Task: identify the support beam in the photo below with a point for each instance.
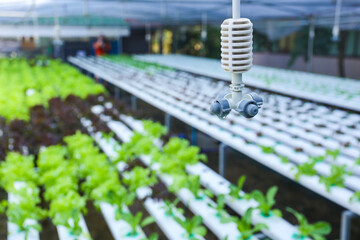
(346, 217)
(311, 45)
(133, 103)
(222, 159)
(193, 136)
(168, 121)
(117, 92)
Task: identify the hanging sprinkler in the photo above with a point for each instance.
(236, 58)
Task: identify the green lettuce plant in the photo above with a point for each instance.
(235, 190)
(244, 224)
(316, 231)
(336, 177)
(139, 177)
(136, 221)
(266, 202)
(306, 169)
(355, 197)
(170, 207)
(219, 206)
(19, 178)
(192, 227)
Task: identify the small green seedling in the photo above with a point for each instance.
(266, 202)
(135, 221)
(332, 153)
(153, 236)
(306, 169)
(244, 225)
(267, 149)
(219, 206)
(107, 136)
(355, 197)
(336, 177)
(171, 209)
(317, 231)
(235, 190)
(192, 227)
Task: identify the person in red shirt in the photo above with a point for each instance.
(101, 46)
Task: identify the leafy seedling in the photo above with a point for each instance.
(171, 209)
(235, 190)
(355, 197)
(135, 221)
(317, 231)
(219, 206)
(336, 177)
(153, 236)
(266, 202)
(332, 153)
(306, 169)
(267, 149)
(244, 224)
(192, 227)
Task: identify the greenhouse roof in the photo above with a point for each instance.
(179, 12)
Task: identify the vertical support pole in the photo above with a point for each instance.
(168, 121)
(203, 32)
(346, 217)
(117, 92)
(222, 159)
(119, 45)
(193, 136)
(133, 103)
(311, 44)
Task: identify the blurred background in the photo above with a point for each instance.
(318, 36)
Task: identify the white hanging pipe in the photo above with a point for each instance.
(236, 78)
(236, 8)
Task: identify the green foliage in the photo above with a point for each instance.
(268, 150)
(18, 178)
(139, 177)
(306, 169)
(153, 236)
(191, 182)
(178, 153)
(336, 177)
(235, 190)
(23, 86)
(266, 202)
(219, 206)
(130, 61)
(332, 153)
(93, 166)
(317, 231)
(192, 227)
(59, 176)
(138, 145)
(355, 197)
(136, 221)
(170, 207)
(244, 224)
(154, 129)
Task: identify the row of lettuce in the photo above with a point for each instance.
(61, 167)
(24, 84)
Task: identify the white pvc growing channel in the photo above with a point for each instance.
(237, 135)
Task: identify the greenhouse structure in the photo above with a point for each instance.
(179, 119)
